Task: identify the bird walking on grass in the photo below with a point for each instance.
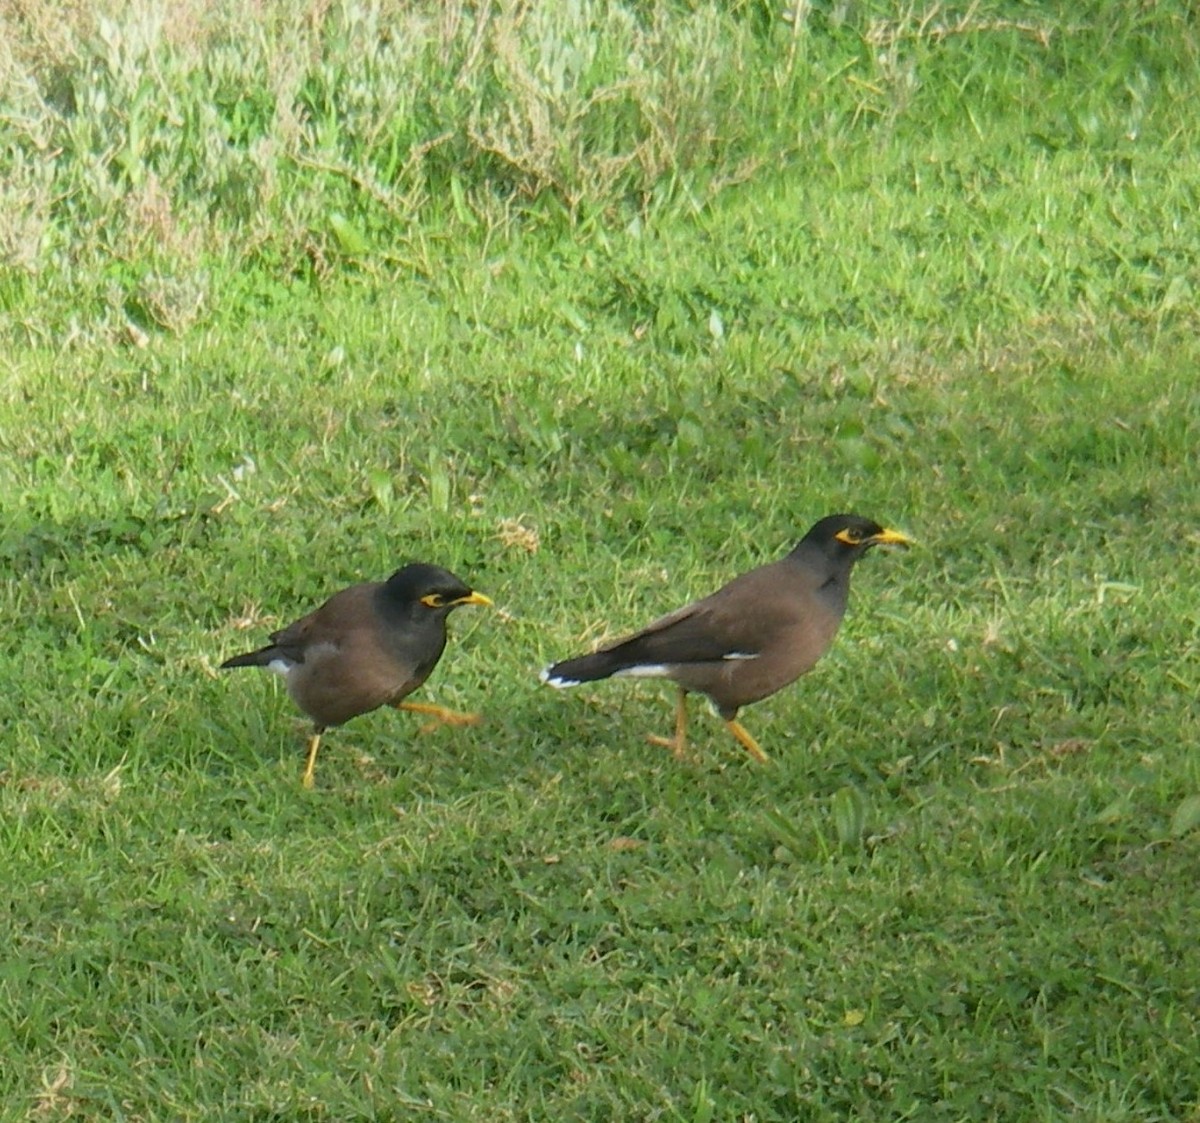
(368, 646)
(751, 637)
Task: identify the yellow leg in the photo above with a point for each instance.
(678, 743)
(746, 741)
(310, 761)
(440, 715)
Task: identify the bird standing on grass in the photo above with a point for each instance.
(368, 646)
(750, 638)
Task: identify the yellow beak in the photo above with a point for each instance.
(890, 538)
(475, 598)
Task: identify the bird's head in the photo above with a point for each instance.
(431, 587)
(848, 537)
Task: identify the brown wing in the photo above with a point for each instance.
(291, 641)
(339, 613)
(740, 618)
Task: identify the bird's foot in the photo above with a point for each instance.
(310, 759)
(439, 714)
(677, 745)
(746, 741)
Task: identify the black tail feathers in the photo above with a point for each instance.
(259, 658)
(587, 668)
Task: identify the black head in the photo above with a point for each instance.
(845, 538)
(432, 587)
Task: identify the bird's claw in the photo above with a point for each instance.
(677, 747)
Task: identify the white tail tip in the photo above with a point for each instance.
(557, 681)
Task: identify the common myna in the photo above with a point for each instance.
(368, 646)
(748, 639)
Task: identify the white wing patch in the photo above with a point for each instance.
(644, 670)
(741, 655)
(280, 666)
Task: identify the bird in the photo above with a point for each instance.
(367, 646)
(750, 638)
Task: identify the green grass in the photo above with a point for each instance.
(946, 280)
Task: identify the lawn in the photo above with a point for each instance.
(598, 305)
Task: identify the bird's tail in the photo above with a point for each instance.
(260, 658)
(587, 668)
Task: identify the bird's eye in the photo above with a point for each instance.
(433, 600)
(849, 536)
